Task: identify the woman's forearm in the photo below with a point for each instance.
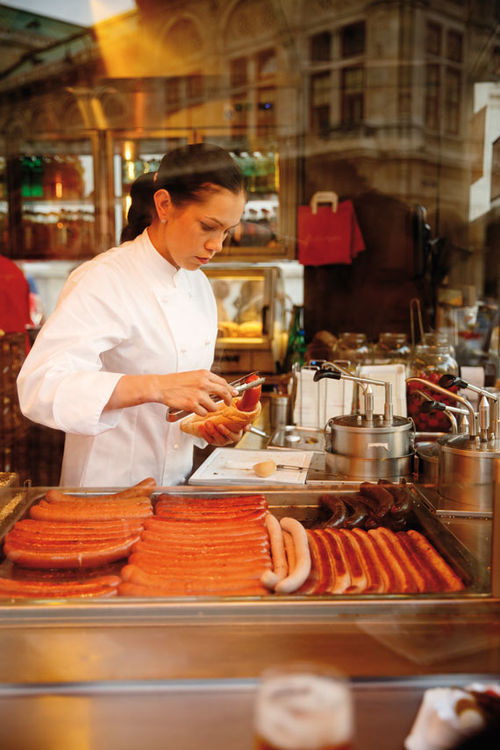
(196, 391)
(132, 390)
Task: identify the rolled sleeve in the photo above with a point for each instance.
(79, 403)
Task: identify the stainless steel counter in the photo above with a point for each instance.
(183, 715)
(148, 639)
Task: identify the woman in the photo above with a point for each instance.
(134, 332)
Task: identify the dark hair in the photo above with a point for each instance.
(186, 173)
(140, 213)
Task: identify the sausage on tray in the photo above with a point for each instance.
(302, 567)
(77, 555)
(74, 510)
(20, 589)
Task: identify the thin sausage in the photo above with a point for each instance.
(271, 578)
(302, 568)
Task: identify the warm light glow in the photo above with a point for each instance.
(130, 170)
(102, 9)
(128, 149)
(58, 188)
(128, 203)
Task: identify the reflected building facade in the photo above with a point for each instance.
(393, 106)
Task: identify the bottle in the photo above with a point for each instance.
(296, 347)
(432, 358)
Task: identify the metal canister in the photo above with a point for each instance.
(370, 450)
(466, 471)
(279, 410)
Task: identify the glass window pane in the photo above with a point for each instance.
(320, 45)
(353, 39)
(433, 39)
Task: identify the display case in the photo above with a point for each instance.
(251, 318)
(52, 196)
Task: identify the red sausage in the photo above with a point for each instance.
(250, 398)
(100, 586)
(78, 556)
(133, 589)
(219, 502)
(70, 511)
(142, 489)
(218, 519)
(81, 528)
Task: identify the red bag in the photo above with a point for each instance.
(328, 236)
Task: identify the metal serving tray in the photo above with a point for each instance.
(302, 504)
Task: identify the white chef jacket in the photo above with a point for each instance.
(126, 311)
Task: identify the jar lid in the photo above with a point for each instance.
(435, 338)
(349, 336)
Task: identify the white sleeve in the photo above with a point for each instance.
(62, 383)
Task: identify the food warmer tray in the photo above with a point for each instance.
(302, 504)
(124, 639)
(176, 713)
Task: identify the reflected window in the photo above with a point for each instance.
(239, 113)
(266, 110)
(352, 95)
(266, 63)
(432, 97)
(238, 72)
(353, 39)
(433, 39)
(172, 92)
(320, 103)
(454, 46)
(443, 82)
(195, 86)
(319, 47)
(452, 101)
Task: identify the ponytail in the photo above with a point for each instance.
(142, 208)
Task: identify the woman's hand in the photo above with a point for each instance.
(219, 435)
(193, 391)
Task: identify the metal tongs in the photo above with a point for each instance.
(240, 384)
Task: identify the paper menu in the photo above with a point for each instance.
(234, 466)
(317, 402)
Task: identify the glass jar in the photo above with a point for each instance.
(391, 349)
(431, 359)
(352, 348)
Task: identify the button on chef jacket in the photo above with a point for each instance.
(126, 311)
